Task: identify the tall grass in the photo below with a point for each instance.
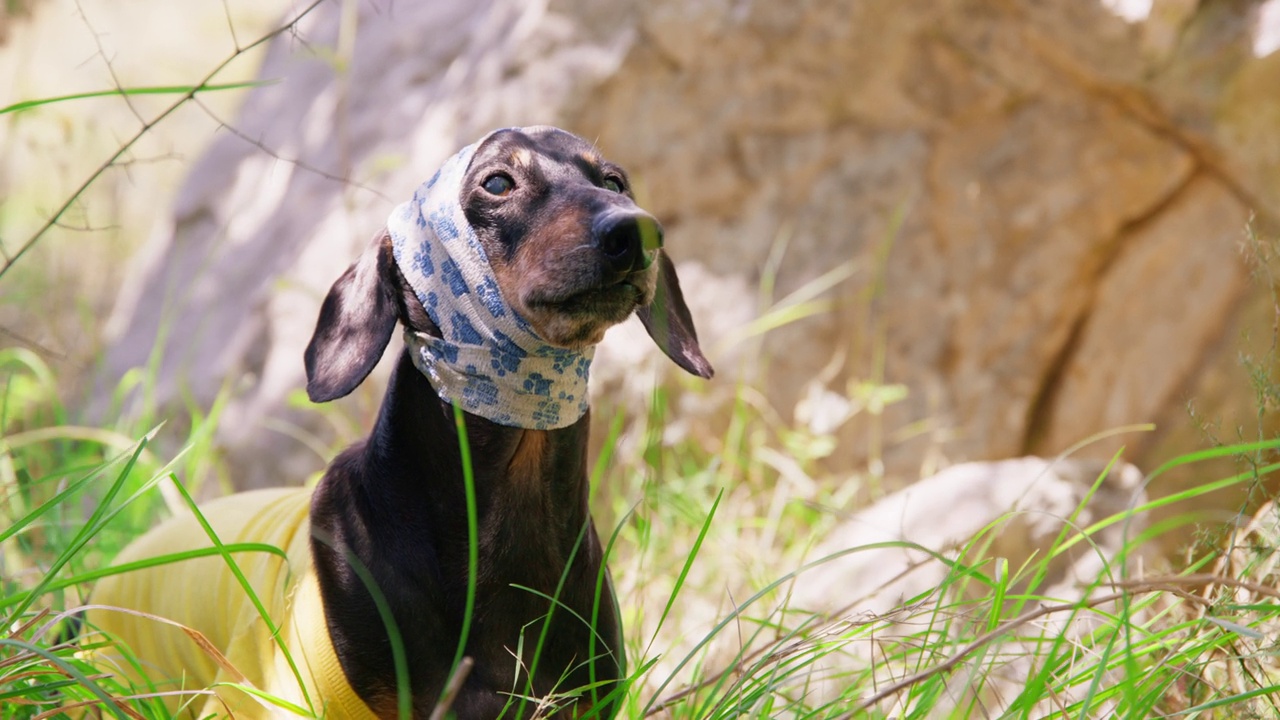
(703, 559)
(72, 496)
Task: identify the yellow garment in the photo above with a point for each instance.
(204, 594)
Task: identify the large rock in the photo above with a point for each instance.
(1017, 509)
(1041, 204)
(896, 566)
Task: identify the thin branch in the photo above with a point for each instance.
(231, 25)
(1172, 584)
(85, 227)
(146, 128)
(1150, 585)
(1205, 579)
(292, 161)
(111, 69)
(150, 160)
(454, 687)
(977, 644)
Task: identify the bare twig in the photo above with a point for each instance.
(977, 644)
(1196, 580)
(44, 350)
(146, 128)
(453, 688)
(1169, 583)
(111, 69)
(1173, 584)
(292, 161)
(231, 25)
(774, 655)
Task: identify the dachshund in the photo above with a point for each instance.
(449, 559)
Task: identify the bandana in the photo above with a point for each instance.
(489, 361)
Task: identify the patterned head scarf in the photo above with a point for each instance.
(489, 361)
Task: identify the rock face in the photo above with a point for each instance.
(1018, 507)
(1040, 204)
(971, 514)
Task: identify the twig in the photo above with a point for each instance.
(19, 630)
(1149, 585)
(292, 161)
(1164, 583)
(111, 69)
(44, 350)
(778, 654)
(146, 128)
(453, 688)
(977, 644)
(231, 25)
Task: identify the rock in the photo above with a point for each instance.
(973, 513)
(1019, 507)
(1175, 258)
(1022, 194)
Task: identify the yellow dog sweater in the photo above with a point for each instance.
(204, 594)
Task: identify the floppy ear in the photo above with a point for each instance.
(355, 324)
(669, 324)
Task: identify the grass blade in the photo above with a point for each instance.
(189, 90)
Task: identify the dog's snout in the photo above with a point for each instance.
(629, 240)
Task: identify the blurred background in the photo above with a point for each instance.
(913, 233)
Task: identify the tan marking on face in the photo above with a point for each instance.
(545, 259)
(526, 463)
(590, 157)
(522, 157)
(555, 260)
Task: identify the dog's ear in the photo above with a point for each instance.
(669, 324)
(355, 325)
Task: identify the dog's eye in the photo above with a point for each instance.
(614, 183)
(498, 184)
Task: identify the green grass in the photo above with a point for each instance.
(703, 553)
(706, 540)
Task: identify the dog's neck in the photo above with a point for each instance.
(404, 516)
(416, 442)
(537, 387)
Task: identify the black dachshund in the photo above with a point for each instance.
(504, 270)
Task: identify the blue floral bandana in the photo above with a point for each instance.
(489, 362)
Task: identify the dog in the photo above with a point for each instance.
(504, 271)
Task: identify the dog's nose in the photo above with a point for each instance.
(628, 239)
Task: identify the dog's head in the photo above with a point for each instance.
(561, 236)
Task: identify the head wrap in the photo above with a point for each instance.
(489, 361)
